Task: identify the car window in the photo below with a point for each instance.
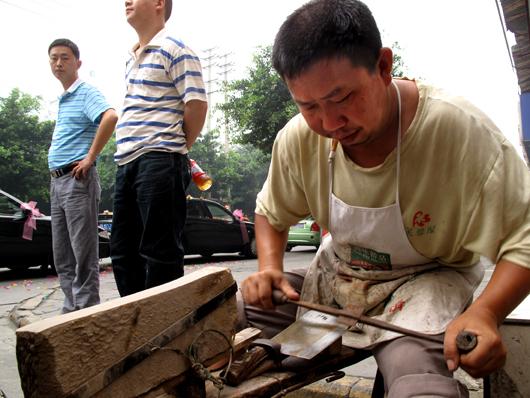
(218, 213)
(195, 210)
(9, 207)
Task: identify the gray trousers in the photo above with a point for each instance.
(74, 208)
(410, 366)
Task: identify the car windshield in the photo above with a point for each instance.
(9, 206)
(218, 213)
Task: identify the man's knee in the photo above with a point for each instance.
(427, 385)
(415, 367)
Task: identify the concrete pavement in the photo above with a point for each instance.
(48, 303)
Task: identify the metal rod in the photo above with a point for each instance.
(364, 319)
(466, 341)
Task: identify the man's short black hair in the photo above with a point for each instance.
(325, 29)
(66, 43)
(168, 8)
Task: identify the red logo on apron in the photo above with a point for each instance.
(420, 219)
(397, 306)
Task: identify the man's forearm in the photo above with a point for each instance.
(270, 244)
(508, 287)
(193, 120)
(108, 123)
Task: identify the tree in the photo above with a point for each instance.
(107, 173)
(253, 167)
(24, 143)
(398, 66)
(236, 178)
(258, 106)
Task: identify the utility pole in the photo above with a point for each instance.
(226, 65)
(209, 82)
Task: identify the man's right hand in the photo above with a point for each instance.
(257, 288)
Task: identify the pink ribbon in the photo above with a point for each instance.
(30, 223)
(238, 214)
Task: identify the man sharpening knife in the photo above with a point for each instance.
(420, 184)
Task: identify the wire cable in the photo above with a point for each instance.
(34, 12)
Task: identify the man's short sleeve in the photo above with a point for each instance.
(95, 105)
(186, 73)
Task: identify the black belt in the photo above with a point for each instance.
(61, 172)
(65, 170)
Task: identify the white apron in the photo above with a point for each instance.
(369, 261)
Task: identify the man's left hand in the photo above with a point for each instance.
(490, 353)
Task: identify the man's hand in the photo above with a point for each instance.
(257, 288)
(81, 168)
(490, 353)
(507, 288)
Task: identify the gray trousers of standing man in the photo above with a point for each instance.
(74, 211)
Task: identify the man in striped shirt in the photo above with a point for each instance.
(84, 125)
(163, 114)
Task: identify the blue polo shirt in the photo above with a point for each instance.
(80, 108)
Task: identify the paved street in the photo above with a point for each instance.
(32, 295)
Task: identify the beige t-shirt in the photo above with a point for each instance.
(464, 190)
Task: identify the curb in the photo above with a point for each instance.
(346, 387)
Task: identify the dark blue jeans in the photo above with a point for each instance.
(149, 215)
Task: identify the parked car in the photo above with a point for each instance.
(17, 252)
(305, 233)
(210, 228)
(105, 221)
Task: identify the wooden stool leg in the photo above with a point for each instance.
(378, 390)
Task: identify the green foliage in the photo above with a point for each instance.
(398, 68)
(107, 173)
(24, 143)
(237, 178)
(258, 106)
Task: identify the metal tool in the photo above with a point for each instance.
(263, 354)
(465, 341)
(310, 335)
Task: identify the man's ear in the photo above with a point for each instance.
(161, 4)
(79, 63)
(384, 64)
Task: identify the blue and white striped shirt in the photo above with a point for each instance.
(164, 76)
(80, 108)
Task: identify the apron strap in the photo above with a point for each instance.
(398, 141)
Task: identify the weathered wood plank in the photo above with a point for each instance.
(59, 354)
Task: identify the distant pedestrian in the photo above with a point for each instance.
(163, 114)
(84, 125)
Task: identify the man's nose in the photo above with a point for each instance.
(332, 121)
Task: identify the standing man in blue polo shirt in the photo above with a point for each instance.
(84, 125)
(163, 114)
